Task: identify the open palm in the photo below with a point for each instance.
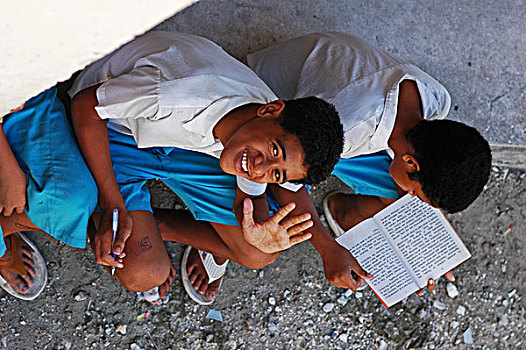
(276, 233)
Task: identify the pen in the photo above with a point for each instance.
(114, 226)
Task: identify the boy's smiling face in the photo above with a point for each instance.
(263, 152)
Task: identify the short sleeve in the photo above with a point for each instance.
(131, 95)
(249, 187)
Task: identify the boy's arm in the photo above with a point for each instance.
(261, 209)
(270, 235)
(341, 268)
(92, 135)
(12, 180)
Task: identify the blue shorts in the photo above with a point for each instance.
(196, 178)
(368, 175)
(206, 190)
(61, 193)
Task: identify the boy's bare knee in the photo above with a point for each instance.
(145, 276)
(240, 251)
(255, 259)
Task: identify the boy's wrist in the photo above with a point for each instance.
(110, 202)
(322, 240)
(10, 167)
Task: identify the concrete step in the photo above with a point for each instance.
(510, 156)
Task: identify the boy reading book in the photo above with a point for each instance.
(395, 140)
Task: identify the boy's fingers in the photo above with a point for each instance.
(450, 277)
(100, 245)
(357, 269)
(248, 216)
(101, 255)
(349, 281)
(291, 221)
(123, 233)
(116, 263)
(283, 212)
(431, 284)
(8, 211)
(300, 238)
(358, 281)
(299, 228)
(109, 260)
(20, 209)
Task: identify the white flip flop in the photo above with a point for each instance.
(213, 270)
(337, 230)
(152, 296)
(40, 279)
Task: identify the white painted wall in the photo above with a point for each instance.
(45, 41)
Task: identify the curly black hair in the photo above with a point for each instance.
(455, 162)
(317, 125)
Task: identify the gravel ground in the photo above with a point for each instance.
(289, 305)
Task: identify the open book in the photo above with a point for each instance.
(403, 246)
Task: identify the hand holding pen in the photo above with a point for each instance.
(121, 224)
(114, 226)
(113, 232)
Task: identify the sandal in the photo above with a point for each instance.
(15, 265)
(337, 230)
(213, 270)
(152, 296)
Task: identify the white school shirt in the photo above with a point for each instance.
(170, 89)
(361, 80)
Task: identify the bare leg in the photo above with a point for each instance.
(180, 226)
(221, 240)
(11, 224)
(147, 263)
(224, 242)
(16, 223)
(351, 209)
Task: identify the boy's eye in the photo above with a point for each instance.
(275, 150)
(277, 175)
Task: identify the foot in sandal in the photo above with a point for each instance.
(23, 271)
(202, 275)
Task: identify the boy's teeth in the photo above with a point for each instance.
(244, 161)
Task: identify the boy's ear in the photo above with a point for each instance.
(272, 109)
(411, 163)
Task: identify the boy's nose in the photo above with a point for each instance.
(262, 166)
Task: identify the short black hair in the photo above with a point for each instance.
(455, 162)
(317, 125)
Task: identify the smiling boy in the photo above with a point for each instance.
(151, 110)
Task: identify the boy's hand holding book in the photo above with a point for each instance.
(405, 246)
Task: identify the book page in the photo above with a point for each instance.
(366, 242)
(424, 238)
